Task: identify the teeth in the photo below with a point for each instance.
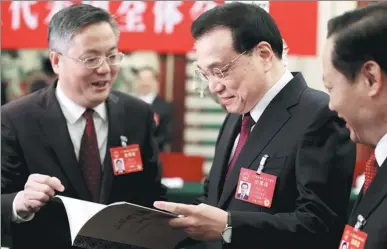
(100, 83)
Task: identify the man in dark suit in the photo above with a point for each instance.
(147, 85)
(355, 74)
(58, 140)
(279, 135)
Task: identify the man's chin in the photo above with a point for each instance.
(353, 136)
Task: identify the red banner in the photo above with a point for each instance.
(162, 26)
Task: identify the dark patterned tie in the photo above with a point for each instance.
(370, 171)
(247, 123)
(89, 158)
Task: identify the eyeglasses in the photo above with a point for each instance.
(96, 61)
(202, 78)
(216, 72)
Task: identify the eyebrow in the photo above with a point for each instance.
(212, 66)
(95, 51)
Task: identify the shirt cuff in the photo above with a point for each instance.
(15, 217)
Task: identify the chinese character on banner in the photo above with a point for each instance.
(22, 10)
(167, 16)
(99, 4)
(54, 7)
(132, 13)
(199, 7)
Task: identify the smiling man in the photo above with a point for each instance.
(59, 139)
(279, 136)
(355, 75)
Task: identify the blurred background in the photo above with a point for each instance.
(155, 37)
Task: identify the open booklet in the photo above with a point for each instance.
(119, 225)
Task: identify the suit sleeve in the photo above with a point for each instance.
(14, 173)
(155, 190)
(324, 165)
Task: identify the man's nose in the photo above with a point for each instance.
(104, 68)
(214, 85)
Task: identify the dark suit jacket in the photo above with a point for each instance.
(313, 158)
(164, 129)
(35, 139)
(373, 207)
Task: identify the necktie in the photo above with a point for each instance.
(89, 159)
(370, 171)
(247, 123)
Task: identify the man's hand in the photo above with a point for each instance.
(37, 191)
(202, 222)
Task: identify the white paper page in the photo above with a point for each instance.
(79, 212)
(130, 224)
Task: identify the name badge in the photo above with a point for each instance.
(126, 159)
(352, 237)
(256, 188)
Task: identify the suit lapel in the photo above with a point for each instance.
(265, 129)
(116, 117)
(272, 120)
(376, 192)
(54, 126)
(222, 153)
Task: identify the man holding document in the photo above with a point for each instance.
(65, 138)
(280, 139)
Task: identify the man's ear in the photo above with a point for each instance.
(265, 53)
(373, 77)
(54, 59)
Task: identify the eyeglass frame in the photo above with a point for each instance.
(101, 58)
(222, 69)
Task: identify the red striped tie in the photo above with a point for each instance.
(89, 158)
(370, 171)
(247, 123)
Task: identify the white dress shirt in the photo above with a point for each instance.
(381, 150)
(260, 107)
(76, 125)
(149, 98)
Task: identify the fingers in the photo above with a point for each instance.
(182, 222)
(176, 208)
(34, 206)
(52, 182)
(55, 183)
(39, 189)
(37, 196)
(38, 178)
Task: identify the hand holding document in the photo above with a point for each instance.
(119, 225)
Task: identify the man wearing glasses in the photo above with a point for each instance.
(279, 136)
(58, 140)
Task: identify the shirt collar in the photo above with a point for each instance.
(381, 150)
(259, 108)
(72, 111)
(149, 98)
